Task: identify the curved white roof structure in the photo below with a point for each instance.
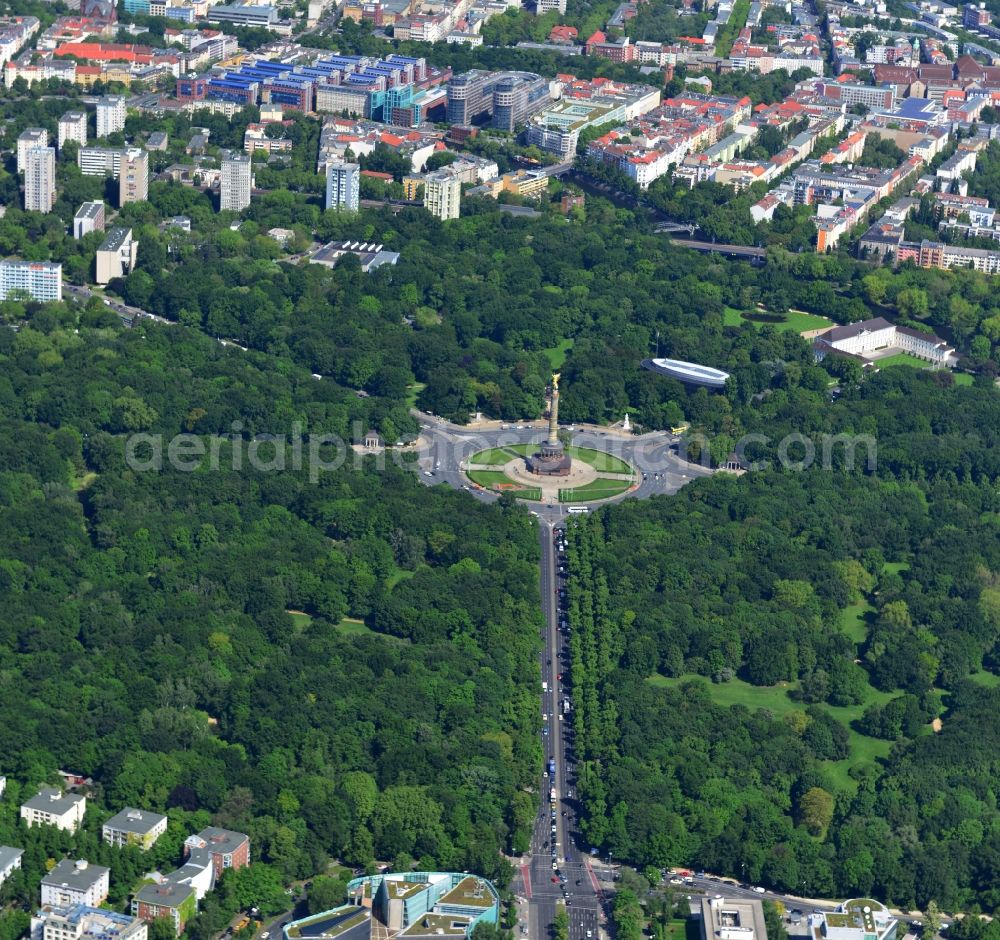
(689, 372)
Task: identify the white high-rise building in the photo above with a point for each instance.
(42, 280)
(442, 194)
(236, 182)
(32, 137)
(110, 115)
(40, 180)
(133, 178)
(343, 186)
(99, 161)
(73, 126)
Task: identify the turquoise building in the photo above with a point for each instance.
(410, 905)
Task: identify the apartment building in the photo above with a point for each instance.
(71, 883)
(115, 258)
(236, 182)
(42, 280)
(40, 180)
(225, 848)
(81, 922)
(72, 126)
(130, 826)
(133, 178)
(48, 807)
(442, 194)
(28, 140)
(343, 186)
(10, 861)
(99, 161)
(110, 115)
(170, 901)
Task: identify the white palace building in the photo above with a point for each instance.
(875, 339)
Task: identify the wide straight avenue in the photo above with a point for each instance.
(558, 870)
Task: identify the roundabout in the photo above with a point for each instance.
(551, 471)
(593, 475)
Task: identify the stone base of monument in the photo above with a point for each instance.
(549, 465)
(550, 460)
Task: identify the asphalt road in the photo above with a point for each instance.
(127, 313)
(447, 448)
(557, 872)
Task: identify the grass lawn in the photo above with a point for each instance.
(677, 929)
(854, 620)
(301, 620)
(901, 359)
(353, 627)
(896, 567)
(412, 391)
(795, 320)
(601, 462)
(962, 378)
(400, 574)
(492, 457)
(557, 354)
(597, 489)
(497, 480)
(490, 478)
(731, 316)
(989, 679)
(499, 455)
(864, 750)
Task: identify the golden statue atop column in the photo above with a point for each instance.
(551, 459)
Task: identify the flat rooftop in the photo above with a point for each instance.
(471, 891)
(79, 875)
(733, 919)
(403, 889)
(345, 923)
(437, 925)
(94, 923)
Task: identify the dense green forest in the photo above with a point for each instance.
(474, 307)
(347, 669)
(181, 637)
(833, 617)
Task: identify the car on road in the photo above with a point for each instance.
(760, 890)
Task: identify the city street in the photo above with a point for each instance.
(447, 447)
(558, 870)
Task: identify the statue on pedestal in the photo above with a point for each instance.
(551, 459)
